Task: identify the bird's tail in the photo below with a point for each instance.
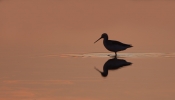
(129, 46)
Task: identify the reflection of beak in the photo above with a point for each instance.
(103, 74)
(97, 40)
(98, 70)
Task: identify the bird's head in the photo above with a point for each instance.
(104, 36)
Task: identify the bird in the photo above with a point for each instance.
(113, 64)
(112, 45)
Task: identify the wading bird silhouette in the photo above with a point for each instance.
(113, 45)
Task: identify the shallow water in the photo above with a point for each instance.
(73, 77)
(119, 55)
(48, 51)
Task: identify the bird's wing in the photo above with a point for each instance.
(119, 43)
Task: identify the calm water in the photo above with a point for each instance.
(74, 78)
(47, 50)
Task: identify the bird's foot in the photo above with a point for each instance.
(112, 56)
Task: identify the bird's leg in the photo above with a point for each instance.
(115, 54)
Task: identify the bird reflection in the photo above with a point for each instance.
(113, 64)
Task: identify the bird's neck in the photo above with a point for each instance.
(105, 38)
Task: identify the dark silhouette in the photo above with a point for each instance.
(113, 64)
(113, 45)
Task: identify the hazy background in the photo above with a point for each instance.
(42, 26)
(32, 30)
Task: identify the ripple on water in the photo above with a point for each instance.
(121, 55)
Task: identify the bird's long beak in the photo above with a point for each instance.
(98, 70)
(97, 40)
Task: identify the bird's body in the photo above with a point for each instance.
(112, 45)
